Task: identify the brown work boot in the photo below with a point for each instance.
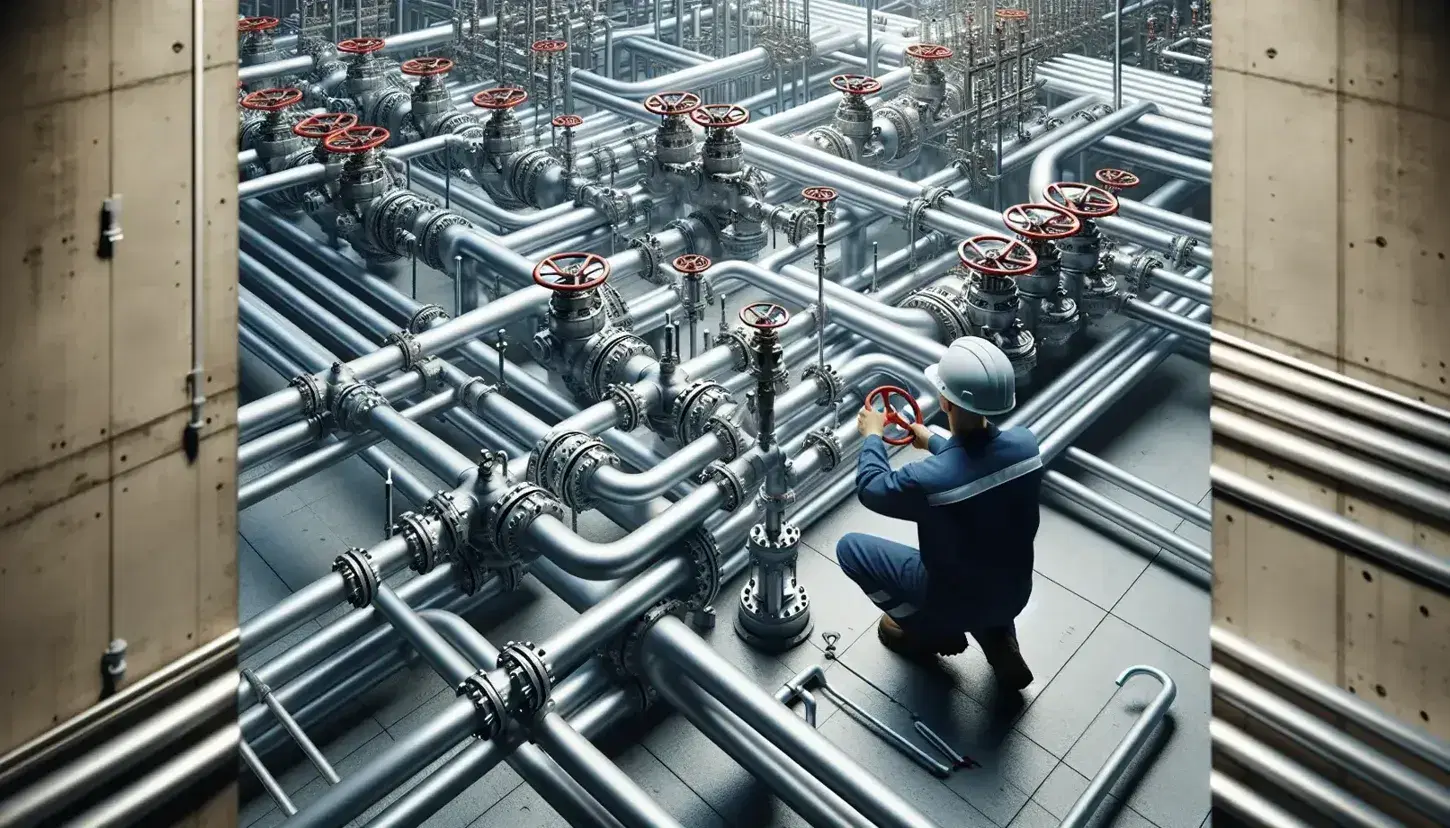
(901, 642)
(1000, 647)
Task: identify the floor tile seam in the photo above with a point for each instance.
(1160, 641)
(1151, 563)
(479, 818)
(683, 781)
(1028, 706)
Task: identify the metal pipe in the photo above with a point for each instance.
(137, 800)
(1128, 748)
(1140, 487)
(1179, 545)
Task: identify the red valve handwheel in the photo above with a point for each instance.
(356, 139)
(820, 195)
(500, 97)
(672, 103)
(1012, 14)
(566, 121)
(361, 45)
(323, 124)
(426, 66)
(549, 46)
(856, 84)
(1114, 180)
(272, 100)
(928, 51)
(1041, 222)
(571, 272)
(248, 25)
(997, 256)
(720, 116)
(893, 417)
(692, 263)
(1082, 200)
(764, 316)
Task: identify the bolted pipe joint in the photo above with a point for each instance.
(624, 656)
(564, 465)
(360, 576)
(707, 560)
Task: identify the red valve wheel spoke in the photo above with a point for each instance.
(672, 103)
(272, 100)
(361, 45)
(1115, 180)
(856, 84)
(549, 46)
(571, 272)
(820, 195)
(1041, 222)
(566, 121)
(1012, 14)
(356, 139)
(928, 51)
(720, 116)
(893, 416)
(692, 263)
(247, 25)
(500, 97)
(764, 316)
(323, 124)
(426, 66)
(997, 256)
(1082, 200)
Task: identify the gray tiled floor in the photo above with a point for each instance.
(1102, 602)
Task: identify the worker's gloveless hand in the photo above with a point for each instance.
(920, 436)
(870, 421)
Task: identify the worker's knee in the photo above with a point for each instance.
(849, 550)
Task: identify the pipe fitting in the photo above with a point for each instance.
(706, 560)
(488, 704)
(629, 405)
(360, 576)
(499, 537)
(947, 308)
(827, 379)
(531, 680)
(824, 441)
(564, 463)
(424, 536)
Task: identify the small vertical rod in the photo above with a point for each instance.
(875, 263)
(457, 285)
(821, 284)
(1118, 58)
(388, 504)
(503, 344)
(870, 38)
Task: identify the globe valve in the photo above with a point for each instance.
(672, 104)
(274, 134)
(720, 116)
(257, 45)
(363, 177)
(722, 153)
(674, 138)
(1085, 201)
(361, 47)
(428, 70)
(567, 123)
(927, 83)
(318, 127)
(855, 86)
(894, 416)
(1039, 226)
(997, 256)
(1115, 181)
(500, 99)
(765, 319)
(571, 272)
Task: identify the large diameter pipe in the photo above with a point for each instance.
(672, 642)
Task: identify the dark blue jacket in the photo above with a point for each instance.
(974, 502)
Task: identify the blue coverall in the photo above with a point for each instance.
(975, 505)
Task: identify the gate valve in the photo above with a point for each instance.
(857, 85)
(1041, 222)
(1085, 201)
(1115, 181)
(500, 98)
(272, 101)
(997, 256)
(356, 140)
(820, 195)
(549, 47)
(720, 116)
(672, 104)
(361, 46)
(254, 25)
(893, 416)
(692, 264)
(319, 126)
(567, 123)
(928, 52)
(426, 67)
(571, 272)
(273, 137)
(764, 317)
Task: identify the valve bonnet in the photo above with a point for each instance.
(976, 375)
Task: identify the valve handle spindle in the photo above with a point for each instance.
(500, 97)
(997, 256)
(424, 67)
(571, 272)
(356, 139)
(764, 316)
(666, 104)
(893, 416)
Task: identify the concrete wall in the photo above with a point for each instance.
(1332, 244)
(106, 530)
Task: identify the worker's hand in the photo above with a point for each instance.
(870, 421)
(920, 436)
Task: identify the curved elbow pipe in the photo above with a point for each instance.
(1048, 165)
(613, 484)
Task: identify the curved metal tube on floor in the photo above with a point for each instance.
(1128, 747)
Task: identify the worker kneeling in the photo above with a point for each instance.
(974, 502)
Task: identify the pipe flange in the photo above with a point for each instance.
(801, 226)
(945, 306)
(424, 538)
(511, 515)
(487, 704)
(1085, 115)
(694, 407)
(424, 317)
(1183, 247)
(614, 354)
(1100, 110)
(615, 309)
(430, 243)
(430, 369)
(452, 519)
(563, 463)
(359, 576)
(314, 394)
(472, 393)
(729, 434)
(824, 440)
(531, 678)
(738, 341)
(933, 196)
(731, 485)
(830, 140)
(707, 560)
(408, 346)
(830, 382)
(1140, 271)
(629, 656)
(469, 573)
(352, 404)
(629, 405)
(686, 231)
(652, 253)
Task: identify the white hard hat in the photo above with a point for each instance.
(974, 374)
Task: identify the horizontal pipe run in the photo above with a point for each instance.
(1294, 779)
(1243, 802)
(142, 797)
(1413, 740)
(1418, 792)
(1118, 513)
(1362, 475)
(1142, 488)
(1194, 331)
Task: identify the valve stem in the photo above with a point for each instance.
(503, 344)
(388, 504)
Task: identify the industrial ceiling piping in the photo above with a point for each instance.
(481, 157)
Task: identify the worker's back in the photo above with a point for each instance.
(976, 534)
